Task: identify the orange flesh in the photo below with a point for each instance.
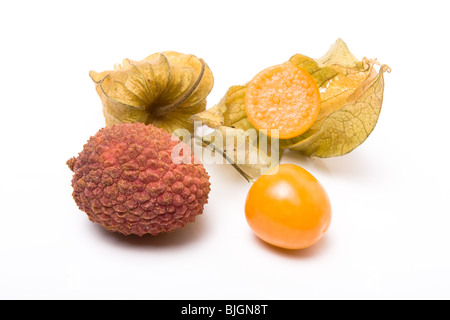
(283, 97)
(288, 208)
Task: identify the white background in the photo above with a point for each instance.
(389, 237)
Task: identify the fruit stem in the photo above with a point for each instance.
(211, 146)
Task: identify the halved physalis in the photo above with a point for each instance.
(283, 97)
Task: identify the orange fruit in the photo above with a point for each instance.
(283, 97)
(288, 208)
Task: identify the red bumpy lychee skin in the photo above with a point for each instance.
(125, 180)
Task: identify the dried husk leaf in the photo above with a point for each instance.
(351, 100)
(351, 94)
(249, 151)
(229, 115)
(165, 89)
(229, 112)
(348, 127)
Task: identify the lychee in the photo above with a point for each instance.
(126, 181)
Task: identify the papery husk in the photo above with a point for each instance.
(165, 89)
(351, 98)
